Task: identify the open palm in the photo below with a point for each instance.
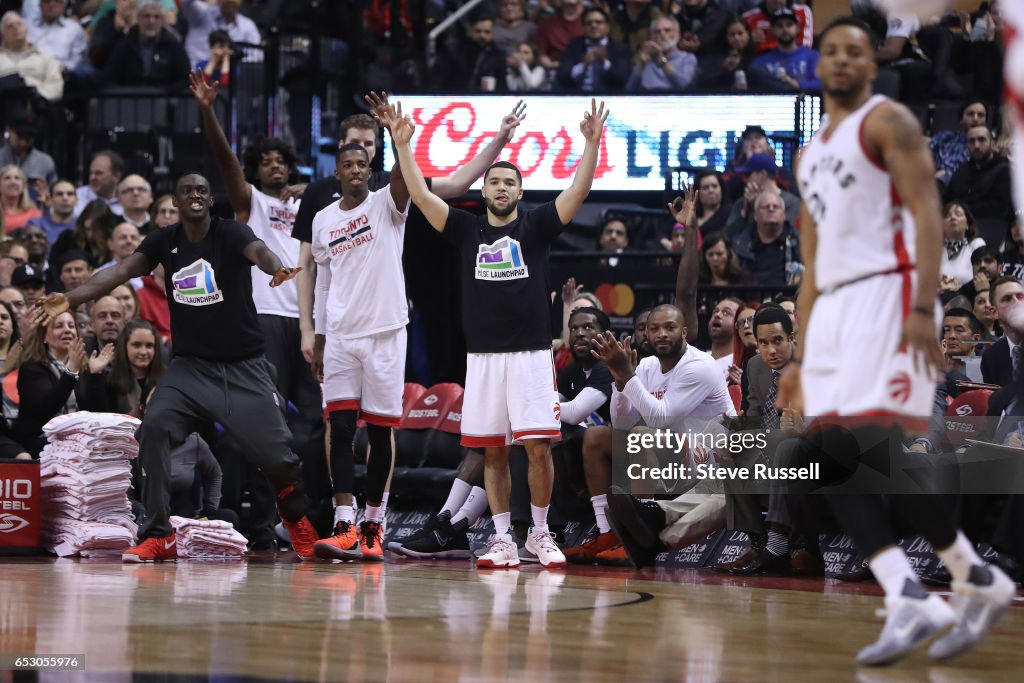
(205, 93)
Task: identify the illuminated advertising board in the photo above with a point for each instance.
(645, 135)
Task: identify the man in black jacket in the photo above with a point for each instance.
(149, 54)
(594, 62)
(983, 184)
(475, 59)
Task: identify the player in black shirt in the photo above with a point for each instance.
(218, 372)
(505, 306)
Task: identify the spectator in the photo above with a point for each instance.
(660, 64)
(129, 300)
(594, 62)
(136, 365)
(792, 64)
(105, 172)
(106, 318)
(959, 328)
(614, 239)
(90, 235)
(150, 54)
(475, 64)
(733, 68)
(58, 36)
(52, 358)
(1006, 295)
(631, 23)
(217, 69)
(524, 73)
(760, 23)
(555, 32)
(58, 216)
(18, 207)
(13, 296)
(770, 248)
(721, 327)
(19, 151)
(744, 346)
(29, 280)
(165, 213)
(1012, 256)
(712, 205)
(76, 268)
(761, 175)
(983, 184)
(986, 314)
(512, 28)
(986, 269)
(10, 350)
(136, 198)
(37, 245)
(122, 243)
(961, 234)
(204, 18)
(949, 147)
(18, 57)
(719, 265)
(701, 24)
(12, 254)
(110, 30)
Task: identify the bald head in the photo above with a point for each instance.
(107, 319)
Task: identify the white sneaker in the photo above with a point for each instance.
(912, 618)
(542, 544)
(980, 602)
(500, 554)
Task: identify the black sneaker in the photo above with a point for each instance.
(443, 542)
(637, 523)
(426, 532)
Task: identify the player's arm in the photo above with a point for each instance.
(684, 210)
(433, 207)
(458, 182)
(589, 400)
(99, 284)
(305, 284)
(571, 199)
(398, 188)
(264, 258)
(239, 191)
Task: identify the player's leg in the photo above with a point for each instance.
(343, 380)
(171, 415)
(597, 469)
(533, 414)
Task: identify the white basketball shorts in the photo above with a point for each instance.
(367, 374)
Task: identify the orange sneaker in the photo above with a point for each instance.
(613, 556)
(154, 549)
(586, 553)
(342, 545)
(303, 537)
(370, 539)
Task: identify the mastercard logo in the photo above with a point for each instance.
(616, 299)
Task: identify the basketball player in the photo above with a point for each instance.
(510, 394)
(871, 278)
(218, 372)
(361, 312)
(1012, 15)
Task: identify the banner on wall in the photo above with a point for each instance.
(645, 135)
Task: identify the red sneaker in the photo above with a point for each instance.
(153, 549)
(586, 553)
(342, 545)
(370, 537)
(303, 536)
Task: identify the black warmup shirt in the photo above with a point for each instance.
(573, 379)
(505, 300)
(209, 290)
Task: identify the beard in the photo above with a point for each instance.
(501, 213)
(673, 351)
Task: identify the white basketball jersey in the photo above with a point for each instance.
(271, 220)
(862, 226)
(361, 249)
(1013, 76)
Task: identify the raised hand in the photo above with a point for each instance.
(684, 209)
(592, 125)
(401, 132)
(284, 275)
(205, 93)
(512, 120)
(618, 356)
(99, 360)
(47, 312)
(569, 291)
(383, 111)
(76, 356)
(293, 192)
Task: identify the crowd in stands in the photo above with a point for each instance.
(56, 232)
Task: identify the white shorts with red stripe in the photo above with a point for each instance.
(853, 364)
(509, 397)
(366, 374)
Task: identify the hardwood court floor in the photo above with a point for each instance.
(407, 621)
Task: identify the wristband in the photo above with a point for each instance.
(924, 310)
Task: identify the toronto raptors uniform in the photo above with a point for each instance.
(360, 306)
(865, 272)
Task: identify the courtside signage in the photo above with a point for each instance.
(645, 135)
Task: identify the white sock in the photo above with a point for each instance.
(372, 513)
(503, 526)
(891, 570)
(384, 505)
(600, 504)
(473, 508)
(343, 513)
(540, 517)
(457, 496)
(959, 557)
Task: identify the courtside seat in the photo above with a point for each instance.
(965, 416)
(444, 450)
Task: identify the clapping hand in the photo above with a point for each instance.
(620, 357)
(99, 360)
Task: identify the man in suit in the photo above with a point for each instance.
(996, 363)
(594, 62)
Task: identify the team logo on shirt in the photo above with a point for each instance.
(196, 285)
(281, 219)
(502, 260)
(899, 387)
(356, 232)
